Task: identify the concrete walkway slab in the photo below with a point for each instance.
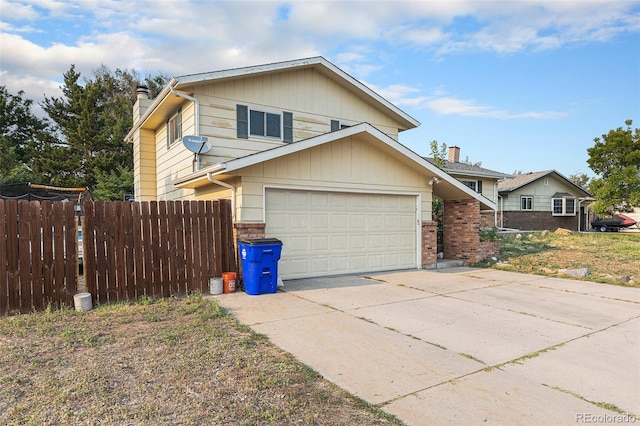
(358, 292)
(601, 367)
(463, 345)
(494, 398)
(490, 335)
(369, 361)
(578, 309)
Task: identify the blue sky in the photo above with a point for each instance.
(518, 85)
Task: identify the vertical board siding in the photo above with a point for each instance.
(155, 249)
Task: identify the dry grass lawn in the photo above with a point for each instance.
(612, 258)
(174, 361)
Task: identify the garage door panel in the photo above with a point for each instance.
(327, 233)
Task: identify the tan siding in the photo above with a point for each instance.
(314, 100)
(332, 170)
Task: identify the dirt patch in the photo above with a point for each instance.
(173, 361)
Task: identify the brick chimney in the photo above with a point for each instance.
(454, 154)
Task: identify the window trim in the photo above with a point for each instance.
(266, 113)
(477, 185)
(529, 197)
(178, 128)
(563, 206)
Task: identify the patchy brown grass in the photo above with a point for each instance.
(171, 361)
(612, 258)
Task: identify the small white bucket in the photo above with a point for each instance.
(216, 285)
(82, 301)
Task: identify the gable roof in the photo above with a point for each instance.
(317, 63)
(517, 182)
(464, 169)
(445, 186)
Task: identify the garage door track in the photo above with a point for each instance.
(463, 345)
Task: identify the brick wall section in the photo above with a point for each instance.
(246, 231)
(429, 244)
(488, 219)
(487, 249)
(539, 221)
(461, 226)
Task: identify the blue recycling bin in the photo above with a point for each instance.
(259, 259)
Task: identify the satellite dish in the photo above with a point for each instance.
(198, 145)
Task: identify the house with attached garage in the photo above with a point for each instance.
(544, 200)
(306, 154)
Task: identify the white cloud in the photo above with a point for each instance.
(185, 37)
(447, 105)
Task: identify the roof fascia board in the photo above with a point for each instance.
(550, 172)
(166, 90)
(259, 157)
(279, 66)
(471, 173)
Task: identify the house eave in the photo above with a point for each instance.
(445, 186)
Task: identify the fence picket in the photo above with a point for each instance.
(36, 255)
(4, 279)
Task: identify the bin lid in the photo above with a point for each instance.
(261, 241)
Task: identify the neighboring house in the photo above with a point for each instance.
(309, 155)
(479, 179)
(544, 200)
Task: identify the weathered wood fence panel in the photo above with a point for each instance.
(38, 255)
(130, 249)
(156, 248)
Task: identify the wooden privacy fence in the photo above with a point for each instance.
(38, 255)
(130, 249)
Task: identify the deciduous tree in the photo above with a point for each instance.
(615, 158)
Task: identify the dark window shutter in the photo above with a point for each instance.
(479, 187)
(168, 134)
(242, 115)
(335, 125)
(287, 126)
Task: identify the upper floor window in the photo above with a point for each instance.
(174, 128)
(476, 185)
(526, 202)
(563, 206)
(267, 124)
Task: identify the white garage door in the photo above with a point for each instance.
(330, 233)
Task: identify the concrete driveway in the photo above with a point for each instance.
(463, 345)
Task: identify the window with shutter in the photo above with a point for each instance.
(174, 128)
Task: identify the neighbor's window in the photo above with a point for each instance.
(174, 128)
(265, 124)
(476, 185)
(526, 202)
(563, 206)
(471, 184)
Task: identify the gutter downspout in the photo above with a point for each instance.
(197, 117)
(195, 101)
(495, 200)
(233, 192)
(501, 210)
